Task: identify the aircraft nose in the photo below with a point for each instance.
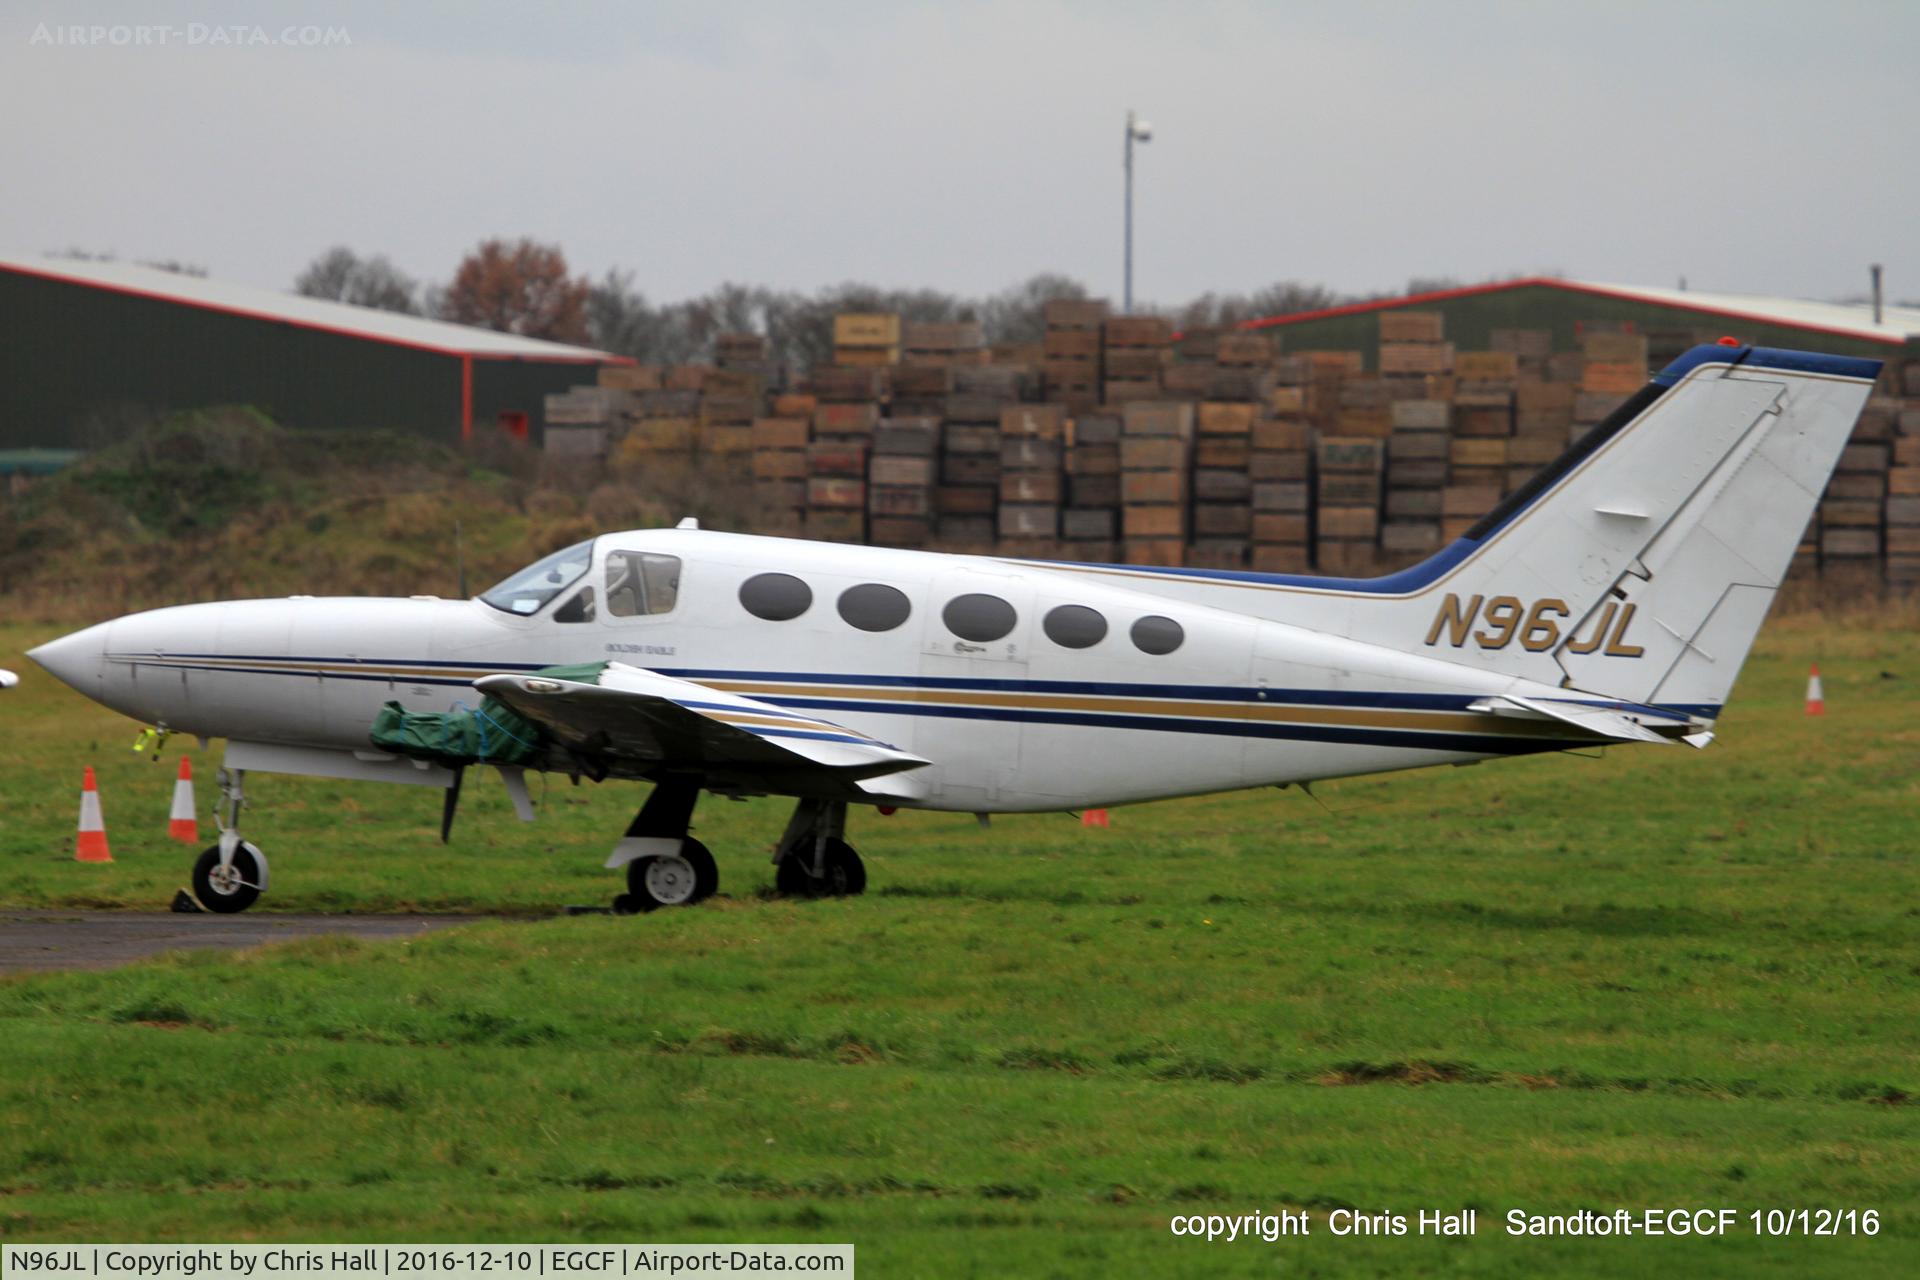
(78, 660)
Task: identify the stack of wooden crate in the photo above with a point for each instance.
(1031, 439)
(862, 339)
(1280, 475)
(1089, 518)
(1348, 491)
(1134, 350)
(968, 497)
(1414, 343)
(945, 344)
(1320, 375)
(1222, 485)
(920, 390)
(1542, 421)
(780, 467)
(1613, 367)
(744, 353)
(1071, 350)
(837, 458)
(1530, 348)
(1903, 492)
(900, 482)
(1853, 509)
(1483, 403)
(1418, 451)
(1156, 457)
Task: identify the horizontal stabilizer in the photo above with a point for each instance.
(1599, 720)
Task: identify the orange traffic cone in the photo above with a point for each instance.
(182, 825)
(1094, 818)
(1816, 696)
(92, 844)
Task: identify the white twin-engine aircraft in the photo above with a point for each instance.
(1613, 599)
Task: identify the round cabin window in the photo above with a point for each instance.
(874, 606)
(979, 617)
(1074, 626)
(777, 597)
(1156, 635)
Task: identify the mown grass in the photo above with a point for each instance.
(1657, 978)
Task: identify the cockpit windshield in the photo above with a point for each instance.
(526, 591)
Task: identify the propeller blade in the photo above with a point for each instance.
(450, 804)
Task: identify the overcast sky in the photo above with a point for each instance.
(1760, 147)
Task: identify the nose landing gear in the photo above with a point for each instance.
(231, 875)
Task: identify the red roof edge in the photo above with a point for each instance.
(337, 330)
(1549, 282)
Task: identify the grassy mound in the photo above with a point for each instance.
(223, 503)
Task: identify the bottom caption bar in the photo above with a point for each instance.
(418, 1262)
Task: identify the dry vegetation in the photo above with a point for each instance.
(223, 504)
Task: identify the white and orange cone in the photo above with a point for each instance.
(91, 846)
(1816, 696)
(1094, 818)
(182, 825)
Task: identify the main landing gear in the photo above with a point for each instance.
(666, 867)
(232, 874)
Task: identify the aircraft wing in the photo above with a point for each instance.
(636, 722)
(1617, 721)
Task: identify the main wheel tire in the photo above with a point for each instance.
(674, 879)
(231, 888)
(845, 874)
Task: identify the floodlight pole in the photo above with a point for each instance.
(1136, 130)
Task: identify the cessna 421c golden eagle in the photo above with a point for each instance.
(1613, 599)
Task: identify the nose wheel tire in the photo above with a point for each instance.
(845, 874)
(672, 879)
(231, 888)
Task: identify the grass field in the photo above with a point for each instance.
(1659, 978)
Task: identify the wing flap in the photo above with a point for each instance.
(640, 718)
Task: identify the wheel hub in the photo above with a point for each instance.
(670, 879)
(225, 879)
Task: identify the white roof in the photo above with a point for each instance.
(1897, 324)
(291, 308)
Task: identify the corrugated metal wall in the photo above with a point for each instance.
(75, 360)
(1471, 320)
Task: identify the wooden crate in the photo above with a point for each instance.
(825, 493)
(1136, 331)
(1278, 558)
(1486, 366)
(1153, 520)
(1291, 464)
(1338, 453)
(1416, 357)
(1286, 497)
(866, 329)
(1074, 313)
(897, 469)
(1412, 326)
(1153, 488)
(1151, 418)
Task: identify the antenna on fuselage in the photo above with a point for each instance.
(688, 522)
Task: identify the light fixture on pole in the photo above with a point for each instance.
(1137, 131)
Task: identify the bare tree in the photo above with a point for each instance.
(341, 275)
(1018, 312)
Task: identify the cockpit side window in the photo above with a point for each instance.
(528, 591)
(641, 583)
(578, 609)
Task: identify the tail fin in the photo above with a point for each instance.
(1639, 565)
(1642, 562)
